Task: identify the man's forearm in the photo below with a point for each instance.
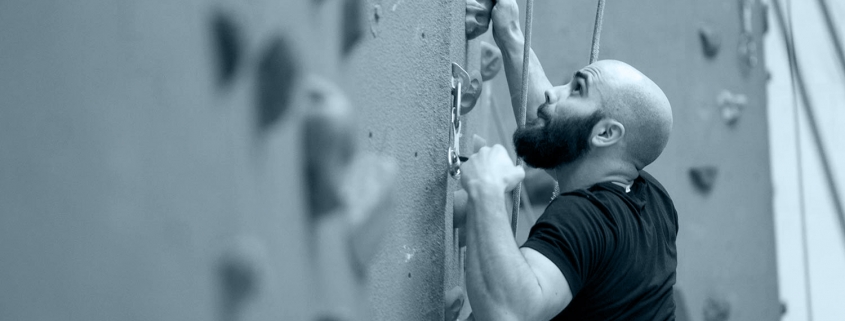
(511, 42)
(500, 283)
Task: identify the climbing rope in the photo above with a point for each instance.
(594, 56)
(523, 105)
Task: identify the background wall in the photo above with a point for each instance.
(811, 282)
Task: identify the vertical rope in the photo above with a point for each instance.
(594, 49)
(797, 88)
(594, 56)
(790, 48)
(523, 105)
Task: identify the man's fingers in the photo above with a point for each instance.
(477, 143)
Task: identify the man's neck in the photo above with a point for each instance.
(585, 173)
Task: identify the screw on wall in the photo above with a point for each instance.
(477, 17)
(704, 177)
(491, 61)
(376, 18)
(711, 41)
(277, 74)
(731, 106)
(226, 37)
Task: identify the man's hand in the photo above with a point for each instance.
(491, 167)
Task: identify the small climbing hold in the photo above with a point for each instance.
(240, 271)
(353, 24)
(716, 310)
(277, 74)
(473, 91)
(328, 143)
(227, 42)
(711, 41)
(368, 192)
(459, 208)
(491, 60)
(453, 302)
(731, 106)
(477, 17)
(704, 177)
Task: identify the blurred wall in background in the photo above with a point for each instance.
(811, 258)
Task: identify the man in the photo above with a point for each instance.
(605, 248)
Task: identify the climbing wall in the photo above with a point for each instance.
(716, 164)
(226, 160)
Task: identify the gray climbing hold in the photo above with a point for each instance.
(453, 302)
(716, 310)
(459, 208)
(731, 106)
(241, 271)
(353, 25)
(704, 177)
(328, 144)
(711, 41)
(227, 43)
(491, 61)
(477, 17)
(369, 195)
(277, 73)
(472, 93)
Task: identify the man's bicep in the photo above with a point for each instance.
(556, 293)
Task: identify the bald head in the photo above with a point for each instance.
(631, 98)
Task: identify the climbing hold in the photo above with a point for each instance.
(681, 310)
(453, 302)
(716, 310)
(240, 273)
(731, 106)
(473, 91)
(353, 25)
(227, 42)
(711, 41)
(368, 193)
(704, 177)
(491, 61)
(459, 208)
(277, 74)
(477, 17)
(328, 143)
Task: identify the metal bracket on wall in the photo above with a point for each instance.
(460, 82)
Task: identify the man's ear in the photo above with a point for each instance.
(607, 132)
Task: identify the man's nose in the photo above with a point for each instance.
(551, 96)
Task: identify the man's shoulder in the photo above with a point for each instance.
(650, 180)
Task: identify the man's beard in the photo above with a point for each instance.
(561, 141)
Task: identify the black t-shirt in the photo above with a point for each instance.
(616, 250)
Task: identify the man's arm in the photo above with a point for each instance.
(509, 38)
(503, 281)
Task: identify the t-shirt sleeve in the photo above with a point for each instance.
(573, 234)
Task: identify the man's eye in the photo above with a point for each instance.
(576, 87)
